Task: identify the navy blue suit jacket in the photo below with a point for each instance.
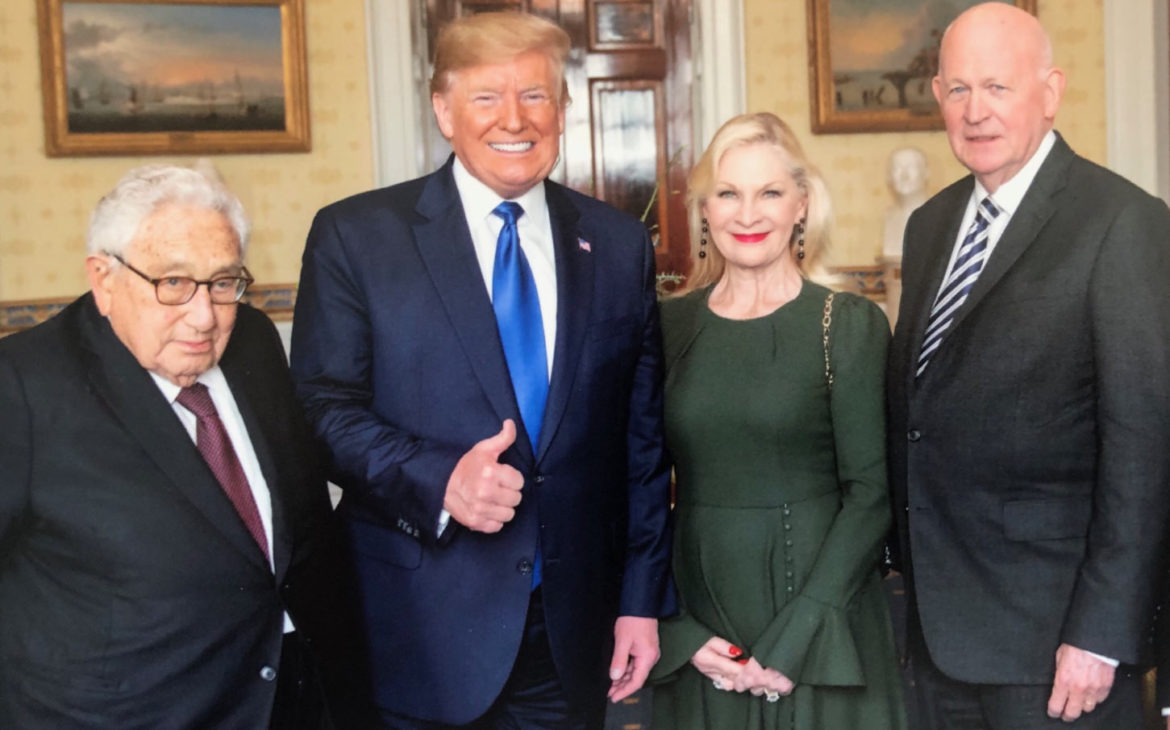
(399, 365)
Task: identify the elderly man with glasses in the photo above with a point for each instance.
(163, 526)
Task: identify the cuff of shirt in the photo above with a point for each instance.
(1107, 660)
(445, 517)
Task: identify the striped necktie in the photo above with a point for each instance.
(958, 282)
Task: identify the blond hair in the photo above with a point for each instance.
(750, 129)
(498, 37)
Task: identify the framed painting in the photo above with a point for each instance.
(871, 62)
(153, 77)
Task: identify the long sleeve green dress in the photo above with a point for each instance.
(781, 511)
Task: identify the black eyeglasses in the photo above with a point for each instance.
(176, 290)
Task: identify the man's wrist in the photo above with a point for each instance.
(1108, 660)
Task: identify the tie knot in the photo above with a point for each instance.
(197, 399)
(509, 211)
(988, 208)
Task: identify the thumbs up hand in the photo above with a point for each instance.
(482, 494)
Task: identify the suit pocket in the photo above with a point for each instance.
(1047, 519)
(384, 544)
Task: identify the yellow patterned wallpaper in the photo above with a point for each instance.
(855, 164)
(45, 203)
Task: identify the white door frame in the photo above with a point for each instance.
(1137, 97)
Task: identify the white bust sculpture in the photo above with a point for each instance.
(907, 178)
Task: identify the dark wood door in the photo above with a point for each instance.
(628, 130)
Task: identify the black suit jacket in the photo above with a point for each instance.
(131, 594)
(398, 362)
(1030, 464)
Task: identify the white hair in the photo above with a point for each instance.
(143, 190)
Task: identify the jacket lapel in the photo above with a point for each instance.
(138, 404)
(574, 266)
(444, 243)
(934, 269)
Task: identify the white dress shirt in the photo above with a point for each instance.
(1007, 198)
(535, 231)
(233, 423)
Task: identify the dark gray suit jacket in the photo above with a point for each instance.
(1030, 465)
(131, 594)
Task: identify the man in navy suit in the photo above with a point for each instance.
(479, 351)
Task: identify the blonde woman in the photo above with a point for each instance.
(777, 438)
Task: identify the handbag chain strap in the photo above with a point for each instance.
(825, 322)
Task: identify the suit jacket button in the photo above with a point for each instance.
(539, 478)
(267, 674)
(524, 567)
(913, 435)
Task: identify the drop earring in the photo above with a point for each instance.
(800, 240)
(703, 239)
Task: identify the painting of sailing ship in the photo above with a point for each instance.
(198, 71)
(874, 61)
(162, 68)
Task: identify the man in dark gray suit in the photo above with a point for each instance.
(1029, 393)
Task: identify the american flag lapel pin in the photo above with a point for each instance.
(584, 245)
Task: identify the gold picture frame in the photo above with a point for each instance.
(878, 87)
(173, 77)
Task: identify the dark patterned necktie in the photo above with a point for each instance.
(959, 281)
(212, 440)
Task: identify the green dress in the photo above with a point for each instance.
(781, 512)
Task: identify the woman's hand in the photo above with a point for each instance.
(717, 660)
(760, 680)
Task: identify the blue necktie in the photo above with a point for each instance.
(959, 281)
(517, 306)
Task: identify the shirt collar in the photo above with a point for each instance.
(479, 200)
(1009, 195)
(212, 379)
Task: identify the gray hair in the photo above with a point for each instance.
(143, 190)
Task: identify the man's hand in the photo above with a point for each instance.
(1082, 682)
(635, 649)
(482, 493)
